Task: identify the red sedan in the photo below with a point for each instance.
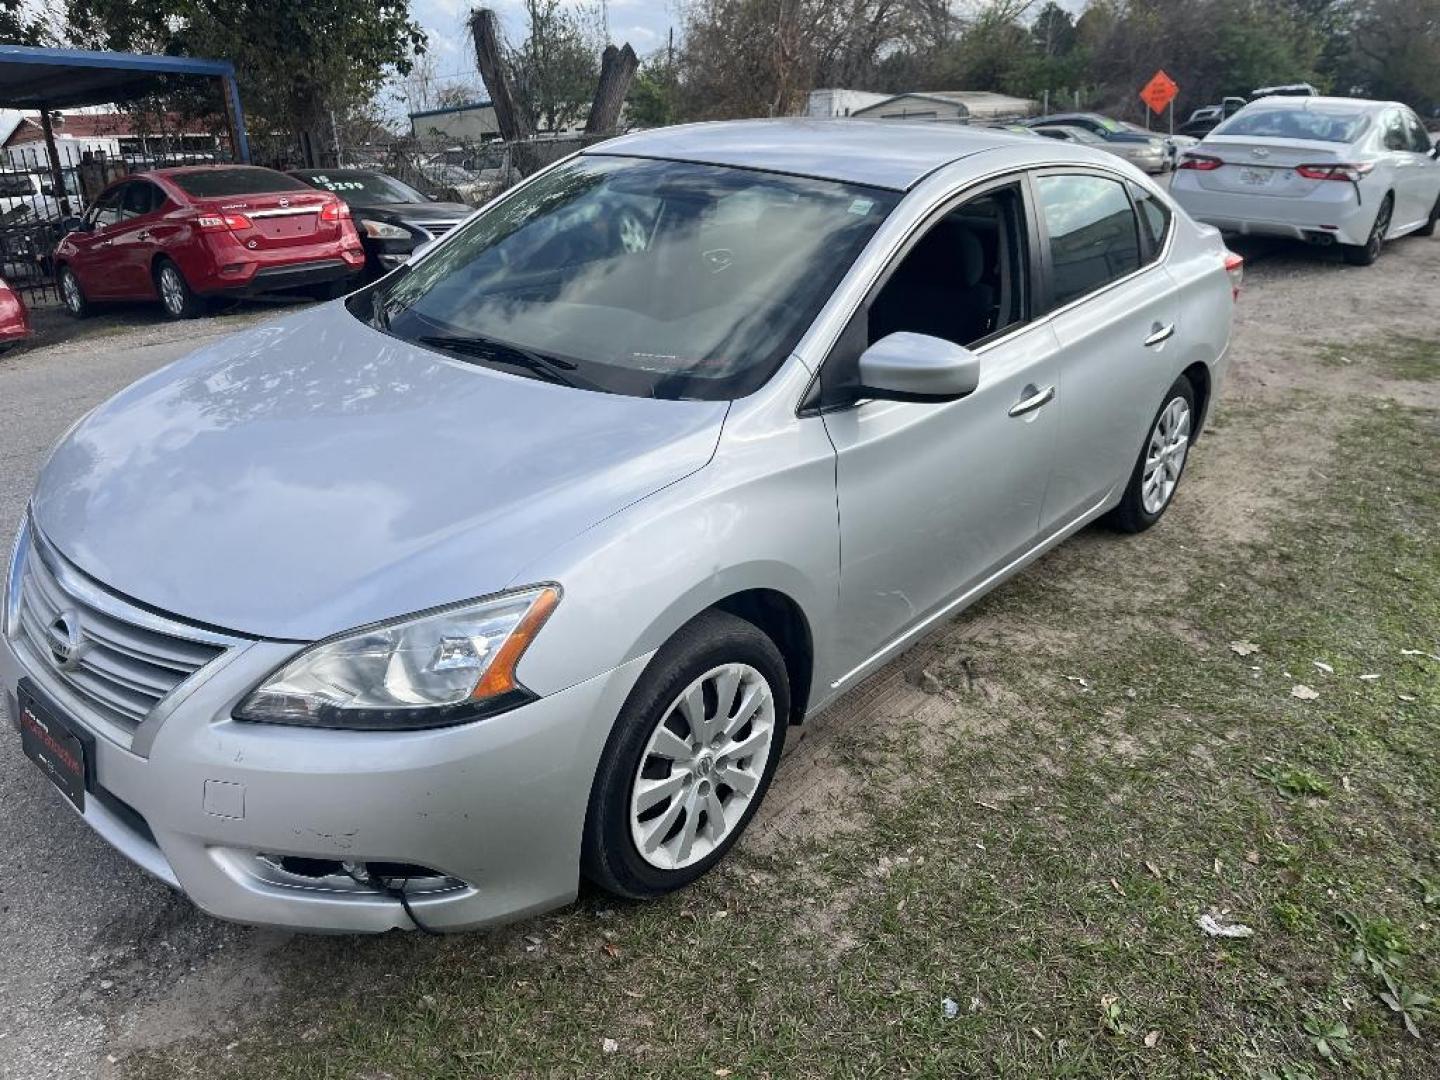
(14, 319)
(179, 235)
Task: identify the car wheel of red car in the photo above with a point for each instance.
(72, 295)
(175, 295)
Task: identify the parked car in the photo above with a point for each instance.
(14, 318)
(181, 235)
(25, 197)
(518, 564)
(1118, 137)
(392, 218)
(1327, 170)
(1150, 156)
(1302, 89)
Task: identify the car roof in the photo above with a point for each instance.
(878, 153)
(180, 170)
(1324, 104)
(349, 170)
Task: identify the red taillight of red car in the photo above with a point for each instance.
(1235, 267)
(222, 222)
(335, 211)
(1200, 162)
(1340, 171)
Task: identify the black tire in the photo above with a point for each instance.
(177, 299)
(609, 855)
(1428, 229)
(1131, 515)
(71, 294)
(1365, 254)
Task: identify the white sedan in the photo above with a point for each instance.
(1326, 170)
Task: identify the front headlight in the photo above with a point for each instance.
(383, 230)
(445, 667)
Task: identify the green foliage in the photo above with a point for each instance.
(294, 59)
(654, 98)
(17, 25)
(554, 70)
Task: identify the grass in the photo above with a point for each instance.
(1397, 356)
(1039, 859)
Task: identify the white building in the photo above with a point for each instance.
(832, 103)
(952, 105)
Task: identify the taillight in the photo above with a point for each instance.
(1235, 267)
(335, 211)
(1202, 162)
(1343, 171)
(222, 222)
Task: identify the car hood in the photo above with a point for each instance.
(417, 212)
(314, 474)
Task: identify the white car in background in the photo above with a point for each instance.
(1327, 170)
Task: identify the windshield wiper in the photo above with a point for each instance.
(549, 368)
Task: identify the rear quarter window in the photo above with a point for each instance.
(223, 183)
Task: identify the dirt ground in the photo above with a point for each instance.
(829, 923)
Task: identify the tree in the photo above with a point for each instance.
(295, 60)
(654, 99)
(17, 27)
(553, 71)
(1397, 51)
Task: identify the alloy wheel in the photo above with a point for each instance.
(172, 290)
(70, 289)
(1165, 455)
(702, 766)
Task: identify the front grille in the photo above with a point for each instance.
(129, 659)
(436, 229)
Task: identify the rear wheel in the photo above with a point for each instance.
(689, 759)
(1161, 462)
(176, 297)
(72, 295)
(1366, 253)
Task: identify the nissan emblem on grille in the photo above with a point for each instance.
(67, 642)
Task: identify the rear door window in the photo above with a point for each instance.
(222, 183)
(1419, 137)
(1091, 231)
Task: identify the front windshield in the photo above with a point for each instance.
(1325, 126)
(632, 276)
(364, 188)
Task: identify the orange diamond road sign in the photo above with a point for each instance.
(1159, 92)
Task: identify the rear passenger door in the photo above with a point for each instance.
(1115, 314)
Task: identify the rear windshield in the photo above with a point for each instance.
(364, 188)
(222, 183)
(1336, 127)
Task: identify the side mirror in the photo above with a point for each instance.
(917, 367)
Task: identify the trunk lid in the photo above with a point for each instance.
(277, 221)
(1265, 166)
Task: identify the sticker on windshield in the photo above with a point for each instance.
(861, 206)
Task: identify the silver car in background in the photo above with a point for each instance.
(1151, 156)
(515, 566)
(1326, 170)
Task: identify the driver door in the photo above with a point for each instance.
(935, 499)
(91, 261)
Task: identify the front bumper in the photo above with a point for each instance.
(210, 805)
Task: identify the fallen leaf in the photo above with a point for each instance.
(1116, 886)
(1152, 1038)
(1323, 667)
(611, 949)
(1369, 678)
(950, 1008)
(1420, 652)
(722, 1072)
(1405, 697)
(609, 1046)
(1303, 692)
(1244, 648)
(1155, 870)
(1253, 858)
(1130, 692)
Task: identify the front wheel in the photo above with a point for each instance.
(1365, 254)
(72, 295)
(1161, 462)
(689, 759)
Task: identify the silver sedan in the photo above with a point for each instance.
(1151, 155)
(517, 565)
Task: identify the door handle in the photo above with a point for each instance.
(1158, 334)
(1032, 400)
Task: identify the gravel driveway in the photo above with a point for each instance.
(99, 960)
